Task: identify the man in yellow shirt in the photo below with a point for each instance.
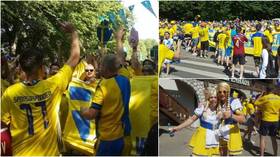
(30, 108)
(268, 33)
(204, 38)
(221, 47)
(187, 32)
(257, 43)
(110, 111)
(195, 37)
(268, 110)
(166, 53)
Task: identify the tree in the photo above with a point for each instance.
(219, 10)
(28, 24)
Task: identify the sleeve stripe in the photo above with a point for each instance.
(96, 106)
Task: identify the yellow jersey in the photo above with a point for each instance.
(164, 53)
(222, 39)
(203, 32)
(113, 120)
(257, 42)
(32, 112)
(79, 133)
(161, 31)
(269, 35)
(126, 71)
(154, 102)
(250, 108)
(195, 32)
(4, 85)
(269, 106)
(171, 31)
(188, 28)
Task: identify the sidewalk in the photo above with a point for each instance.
(178, 144)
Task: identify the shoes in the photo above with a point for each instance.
(253, 142)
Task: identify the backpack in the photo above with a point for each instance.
(271, 70)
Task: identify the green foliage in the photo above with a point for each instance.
(219, 10)
(144, 48)
(35, 24)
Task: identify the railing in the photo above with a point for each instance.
(170, 107)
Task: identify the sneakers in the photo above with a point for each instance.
(253, 142)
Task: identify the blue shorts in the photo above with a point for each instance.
(195, 42)
(228, 52)
(221, 52)
(110, 148)
(268, 128)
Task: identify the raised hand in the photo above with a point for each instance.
(67, 27)
(119, 34)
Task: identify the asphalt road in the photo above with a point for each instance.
(178, 144)
(191, 66)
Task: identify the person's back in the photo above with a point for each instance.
(222, 38)
(34, 113)
(238, 44)
(110, 124)
(269, 106)
(195, 32)
(268, 33)
(30, 108)
(188, 28)
(204, 36)
(257, 43)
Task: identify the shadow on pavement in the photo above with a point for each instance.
(163, 131)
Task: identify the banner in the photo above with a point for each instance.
(112, 19)
(103, 32)
(122, 15)
(140, 108)
(131, 8)
(79, 133)
(248, 45)
(147, 5)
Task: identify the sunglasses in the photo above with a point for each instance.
(89, 70)
(220, 92)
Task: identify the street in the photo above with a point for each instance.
(178, 144)
(191, 66)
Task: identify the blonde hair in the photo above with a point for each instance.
(223, 85)
(211, 92)
(227, 87)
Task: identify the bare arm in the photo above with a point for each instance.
(240, 118)
(119, 36)
(178, 50)
(135, 64)
(75, 45)
(89, 113)
(186, 123)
